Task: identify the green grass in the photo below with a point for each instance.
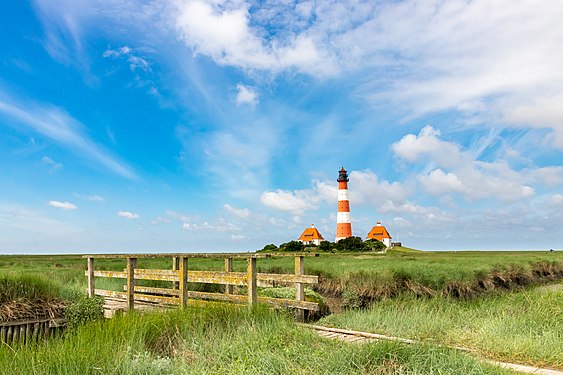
(434, 270)
(523, 327)
(224, 340)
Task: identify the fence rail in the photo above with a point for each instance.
(180, 277)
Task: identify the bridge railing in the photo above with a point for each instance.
(180, 276)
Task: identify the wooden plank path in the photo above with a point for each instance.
(359, 337)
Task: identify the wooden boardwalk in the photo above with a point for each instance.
(359, 337)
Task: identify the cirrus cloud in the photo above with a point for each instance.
(128, 215)
(62, 205)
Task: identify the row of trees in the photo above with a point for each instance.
(350, 244)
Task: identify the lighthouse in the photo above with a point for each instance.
(343, 226)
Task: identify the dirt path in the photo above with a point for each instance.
(365, 337)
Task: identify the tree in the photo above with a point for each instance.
(350, 244)
(326, 246)
(270, 247)
(374, 245)
(292, 246)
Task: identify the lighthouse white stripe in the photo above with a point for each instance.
(343, 217)
(342, 194)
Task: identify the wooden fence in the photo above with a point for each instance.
(180, 276)
(30, 331)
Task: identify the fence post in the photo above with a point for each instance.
(251, 277)
(299, 287)
(183, 282)
(131, 265)
(91, 285)
(228, 268)
(175, 267)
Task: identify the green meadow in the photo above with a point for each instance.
(502, 305)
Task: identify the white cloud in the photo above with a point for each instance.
(242, 213)
(30, 222)
(180, 217)
(299, 201)
(224, 32)
(221, 226)
(366, 188)
(246, 95)
(458, 171)
(128, 215)
(135, 61)
(95, 198)
(62, 205)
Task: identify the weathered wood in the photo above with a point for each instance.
(288, 278)
(228, 268)
(299, 287)
(173, 300)
(210, 277)
(90, 272)
(183, 274)
(184, 255)
(114, 274)
(176, 267)
(131, 265)
(251, 281)
(180, 276)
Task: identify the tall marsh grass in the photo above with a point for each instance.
(223, 340)
(523, 327)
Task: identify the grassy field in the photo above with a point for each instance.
(483, 300)
(522, 327)
(370, 275)
(224, 340)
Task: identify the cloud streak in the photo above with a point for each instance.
(128, 215)
(59, 126)
(62, 205)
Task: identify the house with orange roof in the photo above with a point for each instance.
(311, 236)
(380, 233)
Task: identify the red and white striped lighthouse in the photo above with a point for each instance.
(343, 225)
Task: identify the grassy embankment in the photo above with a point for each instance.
(518, 327)
(223, 340)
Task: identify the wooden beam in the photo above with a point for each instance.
(175, 267)
(91, 285)
(131, 265)
(183, 274)
(180, 255)
(228, 268)
(114, 274)
(299, 287)
(251, 281)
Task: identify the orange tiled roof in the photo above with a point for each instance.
(378, 232)
(311, 234)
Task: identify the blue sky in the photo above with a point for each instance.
(221, 125)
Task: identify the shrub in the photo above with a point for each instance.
(352, 300)
(326, 246)
(270, 247)
(292, 246)
(374, 245)
(350, 244)
(84, 310)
